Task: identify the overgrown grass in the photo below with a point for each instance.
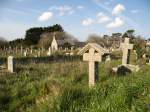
(63, 87)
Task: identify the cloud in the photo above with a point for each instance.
(80, 7)
(115, 24)
(118, 9)
(87, 22)
(135, 11)
(45, 16)
(63, 10)
(102, 18)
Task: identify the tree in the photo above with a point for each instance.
(116, 35)
(139, 46)
(33, 35)
(16, 42)
(3, 42)
(129, 33)
(46, 38)
(93, 38)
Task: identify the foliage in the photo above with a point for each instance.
(63, 87)
(46, 38)
(3, 42)
(129, 34)
(139, 46)
(16, 42)
(33, 34)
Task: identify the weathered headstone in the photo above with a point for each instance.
(93, 54)
(25, 53)
(39, 53)
(11, 64)
(72, 48)
(126, 47)
(108, 58)
(49, 51)
(21, 50)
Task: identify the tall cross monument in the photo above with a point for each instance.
(126, 48)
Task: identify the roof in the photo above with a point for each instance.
(97, 47)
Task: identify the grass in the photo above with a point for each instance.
(63, 87)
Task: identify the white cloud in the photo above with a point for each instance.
(115, 24)
(102, 18)
(87, 22)
(45, 16)
(134, 11)
(118, 9)
(80, 7)
(63, 10)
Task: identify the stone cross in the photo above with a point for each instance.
(93, 53)
(126, 47)
(93, 59)
(11, 64)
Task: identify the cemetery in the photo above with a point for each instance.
(101, 66)
(93, 78)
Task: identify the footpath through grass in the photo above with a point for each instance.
(63, 87)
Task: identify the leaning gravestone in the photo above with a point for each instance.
(11, 64)
(93, 54)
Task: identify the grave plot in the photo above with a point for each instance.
(126, 48)
(9, 67)
(93, 54)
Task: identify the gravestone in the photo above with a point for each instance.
(72, 48)
(39, 53)
(31, 51)
(93, 54)
(21, 50)
(25, 53)
(126, 48)
(108, 58)
(49, 51)
(11, 64)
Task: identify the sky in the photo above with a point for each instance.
(78, 17)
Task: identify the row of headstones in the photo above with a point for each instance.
(26, 52)
(37, 53)
(11, 63)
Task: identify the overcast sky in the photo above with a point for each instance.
(78, 17)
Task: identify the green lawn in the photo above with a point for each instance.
(63, 87)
